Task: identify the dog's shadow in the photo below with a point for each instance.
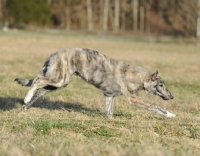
(9, 103)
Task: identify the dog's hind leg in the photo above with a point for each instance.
(36, 82)
(108, 106)
(52, 84)
(40, 92)
(40, 80)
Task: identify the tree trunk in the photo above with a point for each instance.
(105, 15)
(116, 22)
(147, 21)
(49, 2)
(1, 10)
(67, 15)
(123, 16)
(141, 18)
(89, 15)
(101, 13)
(135, 14)
(198, 21)
(4, 13)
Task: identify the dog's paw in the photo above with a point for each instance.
(27, 99)
(109, 116)
(20, 81)
(24, 108)
(170, 115)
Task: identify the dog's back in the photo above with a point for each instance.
(92, 66)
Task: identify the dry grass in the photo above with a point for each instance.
(71, 121)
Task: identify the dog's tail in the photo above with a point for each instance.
(24, 82)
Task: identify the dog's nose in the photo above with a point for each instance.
(171, 97)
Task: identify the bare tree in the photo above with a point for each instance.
(123, 16)
(135, 14)
(148, 15)
(198, 21)
(116, 22)
(105, 15)
(67, 15)
(1, 10)
(89, 15)
(142, 18)
(49, 2)
(101, 12)
(4, 13)
(66, 9)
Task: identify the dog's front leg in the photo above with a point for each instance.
(138, 102)
(108, 106)
(161, 111)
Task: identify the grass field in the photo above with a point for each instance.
(71, 121)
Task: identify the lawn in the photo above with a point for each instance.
(71, 121)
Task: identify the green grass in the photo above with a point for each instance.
(71, 121)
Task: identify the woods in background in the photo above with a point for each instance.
(171, 17)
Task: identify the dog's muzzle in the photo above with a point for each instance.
(164, 97)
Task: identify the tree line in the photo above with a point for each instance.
(171, 17)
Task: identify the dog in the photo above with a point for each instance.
(112, 77)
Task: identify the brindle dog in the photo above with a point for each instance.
(112, 77)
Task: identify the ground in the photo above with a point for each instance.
(71, 121)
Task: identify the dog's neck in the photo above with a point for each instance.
(136, 77)
(141, 78)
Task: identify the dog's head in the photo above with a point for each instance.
(155, 85)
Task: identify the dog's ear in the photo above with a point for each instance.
(154, 76)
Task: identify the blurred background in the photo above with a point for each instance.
(158, 35)
(132, 17)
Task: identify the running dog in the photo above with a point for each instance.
(112, 77)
